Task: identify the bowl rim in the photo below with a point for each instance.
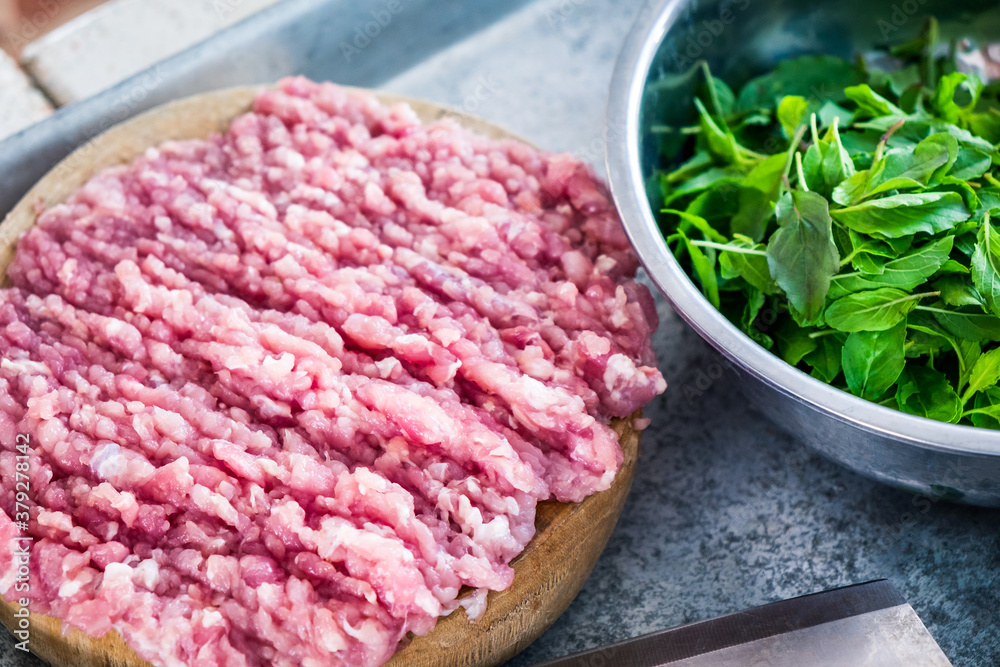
(621, 139)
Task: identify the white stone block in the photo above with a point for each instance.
(21, 104)
(122, 37)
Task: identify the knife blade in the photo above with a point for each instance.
(865, 625)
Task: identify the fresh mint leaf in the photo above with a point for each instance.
(971, 164)
(986, 266)
(826, 358)
(905, 214)
(837, 163)
(827, 163)
(986, 413)
(719, 141)
(967, 192)
(752, 268)
(957, 290)
(875, 310)
(969, 352)
(757, 195)
(985, 373)
(986, 125)
(925, 392)
(717, 205)
(870, 103)
(818, 78)
(869, 255)
(710, 178)
(905, 273)
(830, 111)
(956, 95)
(718, 93)
(704, 268)
(791, 112)
(689, 221)
(755, 302)
(794, 342)
(968, 325)
(801, 254)
(989, 202)
(902, 169)
(872, 361)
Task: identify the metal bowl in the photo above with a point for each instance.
(739, 39)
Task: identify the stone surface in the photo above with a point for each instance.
(543, 73)
(727, 511)
(123, 37)
(20, 103)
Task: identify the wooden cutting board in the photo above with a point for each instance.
(548, 574)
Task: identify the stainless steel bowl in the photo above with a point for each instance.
(741, 38)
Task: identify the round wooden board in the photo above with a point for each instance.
(569, 538)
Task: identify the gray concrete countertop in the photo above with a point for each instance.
(727, 511)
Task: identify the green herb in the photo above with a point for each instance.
(906, 272)
(905, 214)
(984, 373)
(986, 266)
(926, 392)
(873, 361)
(843, 217)
(801, 255)
(875, 310)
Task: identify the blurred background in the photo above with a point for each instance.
(22, 21)
(55, 52)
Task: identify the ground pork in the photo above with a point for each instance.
(289, 389)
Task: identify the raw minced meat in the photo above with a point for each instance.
(290, 388)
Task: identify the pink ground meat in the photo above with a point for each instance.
(290, 388)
